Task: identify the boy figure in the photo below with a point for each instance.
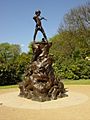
(39, 27)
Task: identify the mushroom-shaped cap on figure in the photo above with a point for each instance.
(37, 12)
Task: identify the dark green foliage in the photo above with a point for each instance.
(73, 69)
(8, 68)
(71, 45)
(8, 74)
(70, 50)
(22, 61)
(12, 64)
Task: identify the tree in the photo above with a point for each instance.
(8, 66)
(9, 52)
(22, 61)
(72, 44)
(77, 18)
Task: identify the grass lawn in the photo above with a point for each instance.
(77, 82)
(66, 82)
(8, 86)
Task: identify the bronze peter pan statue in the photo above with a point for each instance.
(37, 18)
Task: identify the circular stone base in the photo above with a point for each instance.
(13, 100)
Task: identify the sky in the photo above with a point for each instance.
(17, 24)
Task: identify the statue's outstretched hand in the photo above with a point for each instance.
(42, 18)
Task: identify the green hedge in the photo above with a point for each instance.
(74, 70)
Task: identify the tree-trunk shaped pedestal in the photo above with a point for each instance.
(40, 83)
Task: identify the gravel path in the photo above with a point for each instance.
(74, 107)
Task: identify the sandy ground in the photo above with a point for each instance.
(74, 112)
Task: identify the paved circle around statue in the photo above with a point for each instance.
(13, 100)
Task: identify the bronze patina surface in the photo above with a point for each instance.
(37, 18)
(40, 83)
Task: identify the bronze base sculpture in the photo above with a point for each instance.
(40, 83)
